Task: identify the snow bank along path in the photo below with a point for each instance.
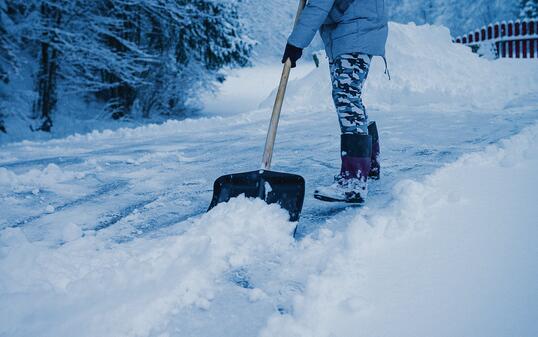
(428, 71)
(103, 234)
(455, 255)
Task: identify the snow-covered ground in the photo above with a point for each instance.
(106, 234)
(245, 88)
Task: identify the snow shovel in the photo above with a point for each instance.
(284, 189)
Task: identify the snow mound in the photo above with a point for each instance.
(427, 70)
(454, 255)
(90, 287)
(48, 178)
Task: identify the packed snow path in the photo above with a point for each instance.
(137, 182)
(106, 234)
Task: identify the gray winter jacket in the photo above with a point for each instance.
(346, 26)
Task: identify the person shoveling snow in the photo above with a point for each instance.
(353, 32)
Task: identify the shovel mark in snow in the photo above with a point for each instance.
(154, 213)
(103, 190)
(60, 161)
(123, 213)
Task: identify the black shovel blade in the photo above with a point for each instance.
(284, 189)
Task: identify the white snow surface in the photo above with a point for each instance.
(105, 234)
(443, 254)
(89, 288)
(454, 255)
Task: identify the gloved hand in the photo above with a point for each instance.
(293, 53)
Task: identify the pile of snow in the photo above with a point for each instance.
(427, 71)
(245, 88)
(454, 255)
(90, 287)
(51, 178)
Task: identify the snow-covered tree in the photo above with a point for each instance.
(150, 54)
(8, 59)
(186, 43)
(177, 48)
(529, 9)
(7, 45)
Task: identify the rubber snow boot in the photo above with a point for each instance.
(375, 171)
(351, 185)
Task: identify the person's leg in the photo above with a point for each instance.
(348, 74)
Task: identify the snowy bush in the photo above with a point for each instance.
(529, 9)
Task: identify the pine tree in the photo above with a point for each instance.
(8, 60)
(181, 47)
(4, 59)
(51, 17)
(208, 38)
(529, 9)
(7, 45)
(152, 55)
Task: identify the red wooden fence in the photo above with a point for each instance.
(512, 39)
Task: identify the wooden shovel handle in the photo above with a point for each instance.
(277, 108)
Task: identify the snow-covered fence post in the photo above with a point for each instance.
(533, 42)
(502, 41)
(524, 40)
(512, 39)
(517, 43)
(496, 35)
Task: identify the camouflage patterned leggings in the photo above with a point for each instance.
(348, 73)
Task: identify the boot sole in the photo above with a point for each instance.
(329, 199)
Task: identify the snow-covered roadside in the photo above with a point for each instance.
(245, 88)
(454, 255)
